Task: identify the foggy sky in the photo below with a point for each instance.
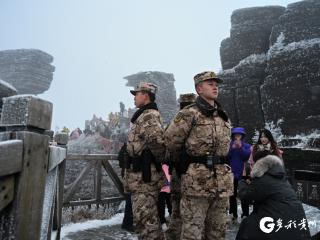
(96, 43)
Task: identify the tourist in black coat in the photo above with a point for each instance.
(272, 197)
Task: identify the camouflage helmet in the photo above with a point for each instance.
(207, 75)
(187, 97)
(144, 86)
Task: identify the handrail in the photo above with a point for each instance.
(92, 157)
(98, 162)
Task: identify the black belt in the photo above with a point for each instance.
(205, 159)
(209, 161)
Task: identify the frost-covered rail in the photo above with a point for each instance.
(98, 162)
(31, 171)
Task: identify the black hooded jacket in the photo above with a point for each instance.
(272, 196)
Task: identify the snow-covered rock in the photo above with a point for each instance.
(6, 90)
(28, 70)
(249, 34)
(291, 89)
(300, 21)
(281, 82)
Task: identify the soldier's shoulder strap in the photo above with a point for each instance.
(190, 106)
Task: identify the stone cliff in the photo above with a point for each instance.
(272, 74)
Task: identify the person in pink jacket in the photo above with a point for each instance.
(165, 198)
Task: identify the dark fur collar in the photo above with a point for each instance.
(265, 164)
(142, 109)
(208, 110)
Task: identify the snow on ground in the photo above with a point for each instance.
(313, 217)
(76, 227)
(110, 229)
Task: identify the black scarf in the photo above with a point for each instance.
(208, 110)
(135, 116)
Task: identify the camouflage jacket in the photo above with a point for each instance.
(145, 132)
(200, 134)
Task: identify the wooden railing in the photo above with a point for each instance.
(53, 199)
(32, 172)
(25, 165)
(10, 164)
(99, 162)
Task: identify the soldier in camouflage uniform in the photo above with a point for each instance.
(143, 176)
(202, 130)
(174, 229)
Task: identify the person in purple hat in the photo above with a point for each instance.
(239, 153)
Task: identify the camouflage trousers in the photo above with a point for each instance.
(203, 218)
(145, 216)
(174, 230)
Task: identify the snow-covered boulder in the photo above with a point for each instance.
(6, 90)
(249, 34)
(291, 90)
(281, 82)
(28, 70)
(300, 21)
